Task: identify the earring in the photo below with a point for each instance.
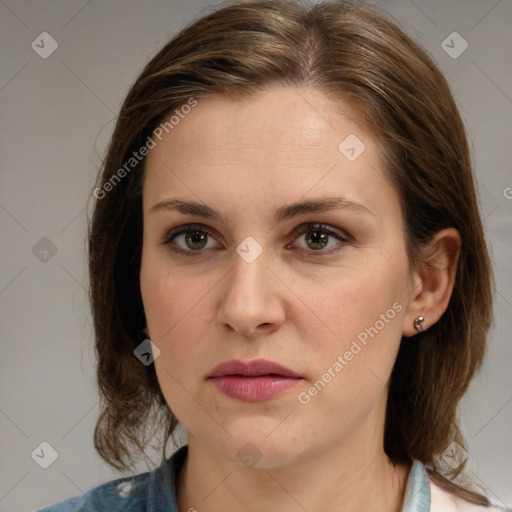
(417, 323)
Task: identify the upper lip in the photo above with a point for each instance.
(254, 368)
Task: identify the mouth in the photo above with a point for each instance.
(254, 368)
(253, 381)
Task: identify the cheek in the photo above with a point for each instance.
(172, 301)
(356, 296)
(361, 322)
(350, 369)
(176, 320)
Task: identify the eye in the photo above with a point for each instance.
(189, 239)
(317, 238)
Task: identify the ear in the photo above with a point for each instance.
(433, 281)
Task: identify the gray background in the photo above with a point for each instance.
(57, 115)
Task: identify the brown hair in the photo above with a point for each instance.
(348, 52)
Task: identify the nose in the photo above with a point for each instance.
(251, 304)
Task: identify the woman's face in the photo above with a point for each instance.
(329, 303)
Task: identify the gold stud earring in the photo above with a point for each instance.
(417, 324)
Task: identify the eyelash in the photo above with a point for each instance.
(299, 231)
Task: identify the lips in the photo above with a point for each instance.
(253, 381)
(254, 368)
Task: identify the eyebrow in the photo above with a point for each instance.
(283, 213)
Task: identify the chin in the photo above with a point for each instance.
(259, 448)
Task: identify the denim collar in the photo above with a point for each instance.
(417, 490)
(162, 484)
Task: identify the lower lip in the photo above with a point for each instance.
(254, 389)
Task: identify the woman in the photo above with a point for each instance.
(286, 257)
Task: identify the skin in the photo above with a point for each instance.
(293, 304)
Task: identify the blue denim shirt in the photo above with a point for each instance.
(155, 491)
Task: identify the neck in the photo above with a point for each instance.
(340, 479)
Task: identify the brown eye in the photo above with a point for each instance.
(189, 239)
(319, 236)
(317, 239)
(196, 239)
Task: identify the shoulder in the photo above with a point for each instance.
(443, 501)
(153, 490)
(126, 494)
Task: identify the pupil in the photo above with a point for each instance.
(195, 238)
(317, 238)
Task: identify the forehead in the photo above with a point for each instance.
(276, 146)
(270, 123)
